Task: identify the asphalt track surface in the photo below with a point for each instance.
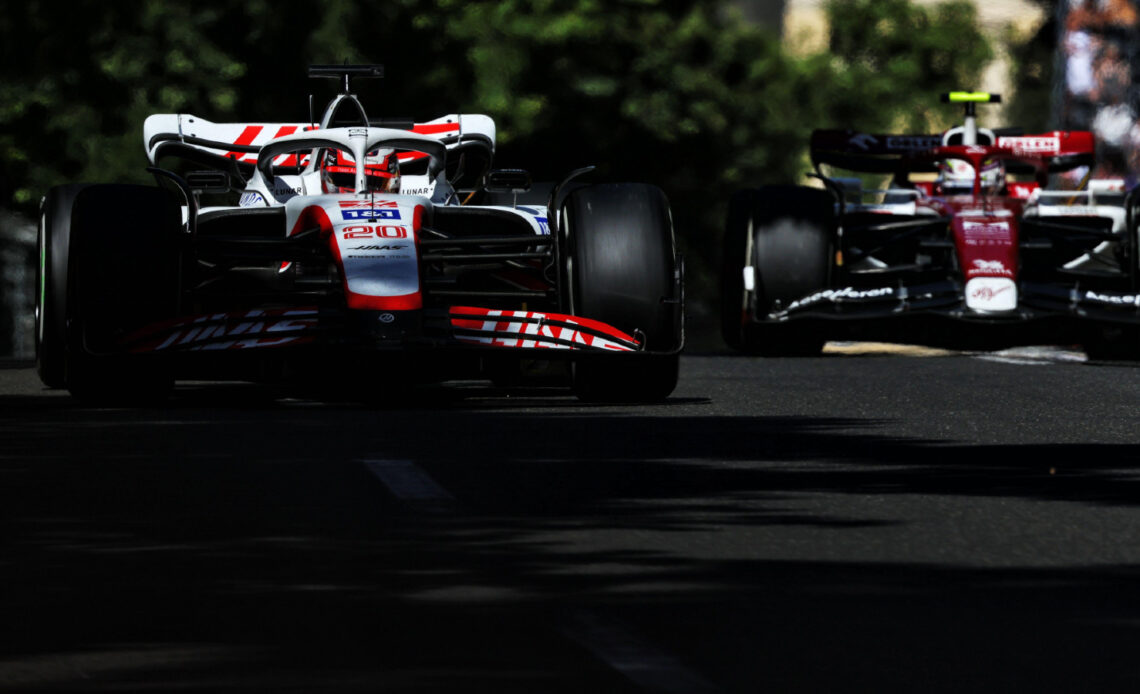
(864, 521)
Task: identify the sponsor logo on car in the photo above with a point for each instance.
(280, 188)
(991, 294)
(256, 328)
(251, 199)
(355, 215)
(840, 295)
(987, 233)
(990, 267)
(986, 294)
(530, 332)
(1114, 299)
(911, 143)
(1031, 145)
(863, 141)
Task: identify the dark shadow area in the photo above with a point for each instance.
(235, 542)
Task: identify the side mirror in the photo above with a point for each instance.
(507, 181)
(208, 181)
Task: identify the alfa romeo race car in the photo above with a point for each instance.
(352, 250)
(966, 246)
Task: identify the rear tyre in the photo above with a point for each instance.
(785, 234)
(53, 246)
(122, 275)
(622, 269)
(1113, 343)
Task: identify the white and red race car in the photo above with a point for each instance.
(354, 252)
(965, 247)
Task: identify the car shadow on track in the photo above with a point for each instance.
(244, 547)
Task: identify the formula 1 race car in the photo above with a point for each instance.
(352, 250)
(965, 247)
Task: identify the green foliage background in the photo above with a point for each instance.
(681, 93)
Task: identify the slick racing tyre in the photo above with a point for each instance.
(53, 244)
(785, 234)
(621, 268)
(122, 274)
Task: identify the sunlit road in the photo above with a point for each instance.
(861, 521)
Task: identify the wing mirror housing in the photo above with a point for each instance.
(513, 181)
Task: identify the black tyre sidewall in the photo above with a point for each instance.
(621, 265)
(792, 229)
(53, 246)
(623, 260)
(123, 275)
(792, 245)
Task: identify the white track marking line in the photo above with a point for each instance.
(1035, 356)
(841, 347)
(635, 658)
(407, 481)
(1011, 360)
(647, 667)
(1021, 356)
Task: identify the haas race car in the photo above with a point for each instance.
(353, 250)
(965, 247)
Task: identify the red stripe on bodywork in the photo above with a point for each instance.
(246, 138)
(291, 159)
(503, 318)
(312, 216)
(408, 302)
(433, 129)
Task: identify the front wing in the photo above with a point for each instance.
(1036, 300)
(459, 327)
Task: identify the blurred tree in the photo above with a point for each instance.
(685, 92)
(891, 59)
(76, 83)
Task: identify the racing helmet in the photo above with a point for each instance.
(381, 171)
(956, 177)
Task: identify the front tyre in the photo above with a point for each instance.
(622, 269)
(122, 275)
(784, 235)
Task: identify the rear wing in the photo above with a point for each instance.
(870, 153)
(1060, 150)
(234, 146)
